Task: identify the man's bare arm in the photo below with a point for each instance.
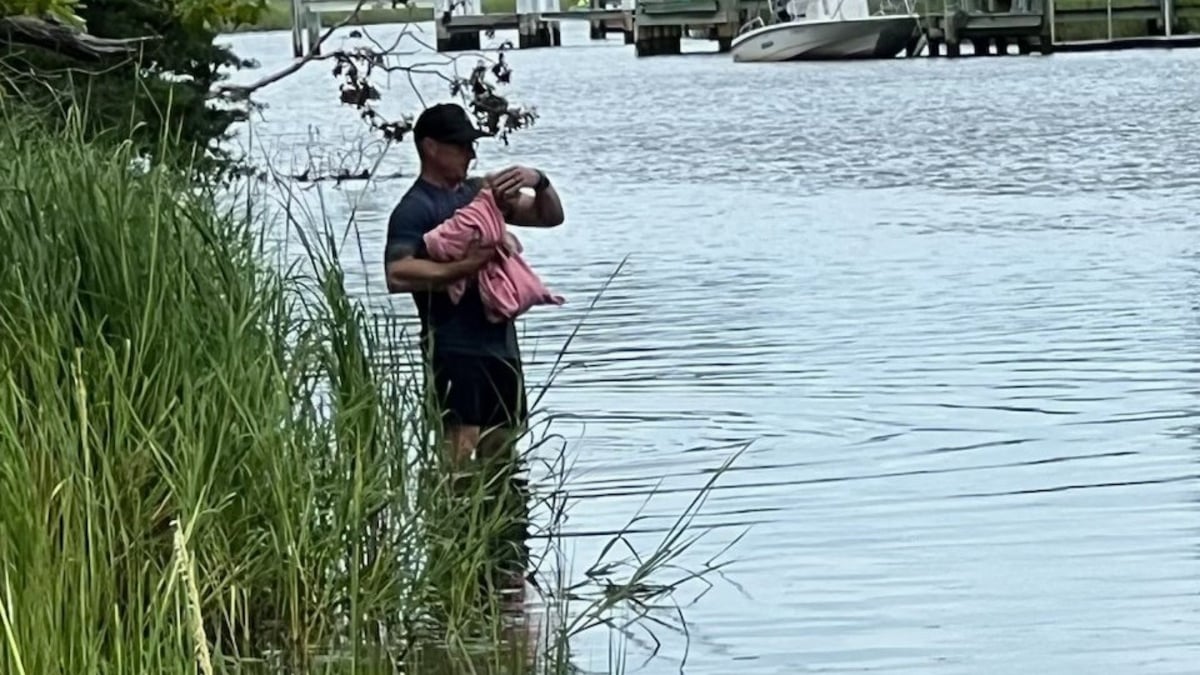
(412, 274)
(543, 209)
(407, 273)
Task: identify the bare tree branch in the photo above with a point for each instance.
(357, 66)
(479, 89)
(49, 33)
(241, 92)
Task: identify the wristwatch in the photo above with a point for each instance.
(543, 182)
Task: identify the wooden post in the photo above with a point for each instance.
(1053, 35)
(458, 41)
(671, 39)
(953, 41)
(529, 34)
(532, 30)
(455, 40)
(643, 41)
(629, 8)
(596, 28)
(725, 34)
(950, 28)
(442, 31)
(314, 31)
(441, 21)
(297, 28)
(657, 40)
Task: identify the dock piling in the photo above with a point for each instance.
(661, 24)
(456, 41)
(989, 26)
(306, 29)
(533, 31)
(724, 36)
(611, 16)
(297, 8)
(314, 31)
(653, 27)
(657, 40)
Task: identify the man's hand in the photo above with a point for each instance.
(542, 209)
(507, 182)
(477, 256)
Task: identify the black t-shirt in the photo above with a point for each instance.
(461, 328)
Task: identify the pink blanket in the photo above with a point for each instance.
(507, 285)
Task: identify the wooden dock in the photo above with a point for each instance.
(997, 27)
(537, 22)
(990, 26)
(659, 25)
(656, 27)
(460, 22)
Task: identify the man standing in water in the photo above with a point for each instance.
(475, 363)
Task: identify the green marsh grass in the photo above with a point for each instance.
(212, 463)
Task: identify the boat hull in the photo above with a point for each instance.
(874, 37)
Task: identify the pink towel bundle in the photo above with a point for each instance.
(507, 285)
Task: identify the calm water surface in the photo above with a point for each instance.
(952, 306)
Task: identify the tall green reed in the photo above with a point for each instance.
(205, 460)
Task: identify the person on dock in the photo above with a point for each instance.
(475, 363)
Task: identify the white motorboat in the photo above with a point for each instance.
(827, 29)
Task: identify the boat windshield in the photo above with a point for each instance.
(830, 9)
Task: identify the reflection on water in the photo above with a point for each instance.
(951, 304)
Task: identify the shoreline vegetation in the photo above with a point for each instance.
(213, 458)
(277, 17)
(212, 462)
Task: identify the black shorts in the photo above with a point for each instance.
(480, 391)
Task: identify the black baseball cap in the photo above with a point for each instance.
(447, 123)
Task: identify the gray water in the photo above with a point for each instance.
(950, 306)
